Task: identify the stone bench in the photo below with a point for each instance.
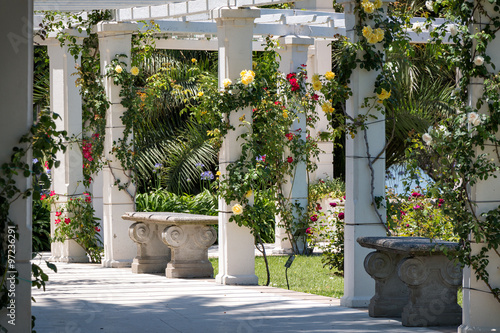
(174, 243)
(414, 280)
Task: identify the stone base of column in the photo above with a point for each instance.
(355, 301)
(109, 263)
(69, 251)
(476, 329)
(281, 250)
(149, 265)
(244, 280)
(200, 269)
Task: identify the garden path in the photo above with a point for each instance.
(89, 298)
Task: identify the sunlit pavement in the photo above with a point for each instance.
(89, 298)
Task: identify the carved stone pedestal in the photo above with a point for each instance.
(189, 244)
(152, 255)
(433, 282)
(174, 243)
(414, 280)
(391, 294)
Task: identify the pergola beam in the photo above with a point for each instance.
(79, 5)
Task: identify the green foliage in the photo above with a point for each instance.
(41, 227)
(76, 220)
(327, 223)
(417, 215)
(160, 200)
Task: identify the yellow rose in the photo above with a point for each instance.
(367, 31)
(368, 7)
(194, 61)
(218, 173)
(379, 34)
(384, 94)
(248, 194)
(247, 79)
(373, 39)
(327, 107)
(134, 71)
(237, 209)
(226, 83)
(285, 114)
(118, 69)
(200, 93)
(315, 78)
(377, 4)
(317, 85)
(330, 75)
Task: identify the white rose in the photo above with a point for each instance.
(418, 26)
(427, 138)
(472, 118)
(478, 61)
(453, 29)
(428, 4)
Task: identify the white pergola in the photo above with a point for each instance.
(233, 28)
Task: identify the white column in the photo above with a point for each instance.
(320, 61)
(293, 52)
(236, 244)
(16, 111)
(119, 249)
(480, 309)
(360, 216)
(67, 179)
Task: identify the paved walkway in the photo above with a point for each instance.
(86, 298)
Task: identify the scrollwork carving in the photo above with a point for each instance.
(452, 273)
(379, 265)
(413, 271)
(140, 232)
(173, 236)
(205, 237)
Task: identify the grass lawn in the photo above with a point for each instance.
(306, 274)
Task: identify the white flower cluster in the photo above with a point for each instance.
(440, 132)
(474, 119)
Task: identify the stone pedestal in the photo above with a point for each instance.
(414, 280)
(433, 282)
(189, 244)
(172, 242)
(391, 294)
(152, 255)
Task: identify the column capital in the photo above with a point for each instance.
(227, 13)
(114, 28)
(295, 40)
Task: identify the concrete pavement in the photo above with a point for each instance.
(88, 298)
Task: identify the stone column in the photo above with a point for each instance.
(236, 244)
(480, 310)
(320, 61)
(360, 216)
(67, 179)
(293, 54)
(119, 250)
(16, 111)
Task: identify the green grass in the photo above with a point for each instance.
(306, 274)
